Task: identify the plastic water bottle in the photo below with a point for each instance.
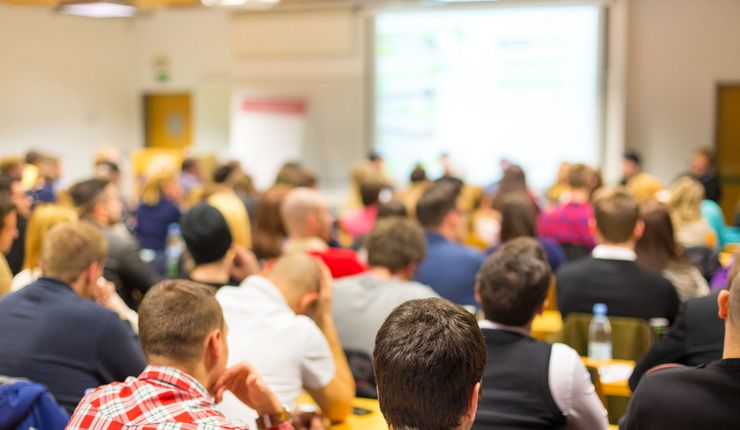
(600, 335)
(174, 250)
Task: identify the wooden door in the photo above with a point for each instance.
(168, 121)
(728, 146)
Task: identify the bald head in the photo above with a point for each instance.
(304, 214)
(298, 276)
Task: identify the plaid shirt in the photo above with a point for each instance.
(161, 398)
(568, 225)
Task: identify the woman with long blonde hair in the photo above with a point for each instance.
(692, 230)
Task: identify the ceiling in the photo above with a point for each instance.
(154, 4)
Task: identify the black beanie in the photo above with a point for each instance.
(206, 233)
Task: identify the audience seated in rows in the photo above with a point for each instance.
(309, 226)
(98, 202)
(54, 334)
(658, 252)
(569, 223)
(527, 383)
(282, 325)
(8, 233)
(699, 397)
(611, 275)
(362, 302)
(429, 360)
(696, 338)
(183, 335)
(217, 260)
(519, 219)
(449, 267)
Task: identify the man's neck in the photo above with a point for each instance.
(306, 243)
(579, 196)
(199, 373)
(625, 245)
(385, 273)
(212, 273)
(446, 233)
(732, 345)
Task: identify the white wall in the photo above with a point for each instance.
(65, 85)
(678, 51)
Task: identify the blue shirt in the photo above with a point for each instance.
(152, 223)
(450, 269)
(52, 336)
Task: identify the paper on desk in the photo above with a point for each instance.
(615, 372)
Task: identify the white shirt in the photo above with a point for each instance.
(611, 252)
(289, 351)
(570, 385)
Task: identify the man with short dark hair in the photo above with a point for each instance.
(362, 302)
(705, 397)
(429, 359)
(52, 333)
(98, 202)
(631, 166)
(183, 335)
(449, 267)
(610, 275)
(8, 233)
(528, 384)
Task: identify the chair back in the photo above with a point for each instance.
(361, 365)
(630, 336)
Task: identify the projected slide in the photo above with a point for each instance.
(488, 84)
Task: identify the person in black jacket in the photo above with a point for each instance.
(704, 397)
(697, 338)
(610, 275)
(98, 203)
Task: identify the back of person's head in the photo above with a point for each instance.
(188, 164)
(370, 191)
(6, 207)
(617, 213)
(513, 282)
(580, 176)
(435, 203)
(269, 230)
(11, 166)
(418, 174)
(645, 187)
(227, 173)
(685, 202)
(8, 229)
(395, 244)
(298, 276)
(293, 174)
(392, 209)
(657, 247)
(33, 156)
(518, 217)
(299, 205)
(71, 248)
(429, 359)
(206, 234)
(86, 194)
(632, 156)
(513, 181)
(175, 319)
(160, 178)
(43, 218)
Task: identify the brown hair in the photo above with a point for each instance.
(86, 194)
(518, 217)
(269, 231)
(436, 202)
(394, 243)
(429, 354)
(70, 248)
(174, 319)
(370, 191)
(513, 282)
(580, 176)
(657, 247)
(616, 213)
(514, 181)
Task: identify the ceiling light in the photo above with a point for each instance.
(251, 4)
(98, 8)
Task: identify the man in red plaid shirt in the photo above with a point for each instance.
(183, 335)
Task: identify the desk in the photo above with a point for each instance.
(612, 388)
(372, 421)
(546, 325)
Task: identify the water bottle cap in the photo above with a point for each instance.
(599, 309)
(173, 228)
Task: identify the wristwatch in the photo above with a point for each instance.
(268, 421)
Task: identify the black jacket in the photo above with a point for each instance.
(133, 277)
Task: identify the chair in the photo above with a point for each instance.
(361, 366)
(630, 336)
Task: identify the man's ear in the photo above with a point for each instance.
(639, 230)
(307, 303)
(592, 227)
(213, 346)
(723, 301)
(473, 402)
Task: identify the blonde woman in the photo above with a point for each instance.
(158, 208)
(45, 217)
(692, 230)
